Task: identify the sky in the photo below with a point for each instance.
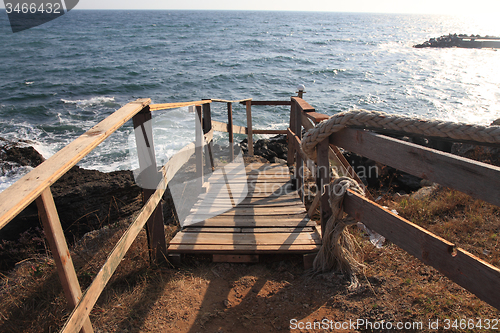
(454, 7)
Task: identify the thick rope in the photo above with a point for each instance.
(381, 120)
(337, 251)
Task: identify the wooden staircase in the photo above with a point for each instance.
(269, 219)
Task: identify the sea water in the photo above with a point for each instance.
(63, 77)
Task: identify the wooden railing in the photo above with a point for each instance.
(477, 179)
(35, 186)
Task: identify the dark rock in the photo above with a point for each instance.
(270, 149)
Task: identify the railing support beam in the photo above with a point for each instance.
(149, 180)
(322, 179)
(59, 248)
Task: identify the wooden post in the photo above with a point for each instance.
(207, 126)
(230, 129)
(57, 242)
(291, 144)
(199, 146)
(150, 180)
(323, 178)
(299, 165)
(249, 127)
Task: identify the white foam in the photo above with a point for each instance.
(89, 102)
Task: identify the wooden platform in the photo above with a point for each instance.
(258, 212)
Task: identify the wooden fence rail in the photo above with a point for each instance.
(477, 179)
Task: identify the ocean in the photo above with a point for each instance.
(63, 77)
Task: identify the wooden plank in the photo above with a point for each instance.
(314, 205)
(323, 178)
(270, 103)
(244, 249)
(393, 133)
(299, 162)
(151, 177)
(262, 211)
(224, 203)
(278, 230)
(302, 104)
(20, 194)
(296, 142)
(249, 127)
(268, 131)
(470, 272)
(199, 146)
(256, 222)
(477, 179)
(58, 246)
(177, 161)
(223, 127)
(208, 135)
(235, 258)
(211, 229)
(230, 129)
(87, 302)
(298, 238)
(249, 229)
(166, 106)
(233, 101)
(316, 117)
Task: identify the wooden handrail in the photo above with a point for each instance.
(470, 272)
(269, 103)
(167, 106)
(223, 127)
(23, 192)
(477, 179)
(242, 101)
(90, 296)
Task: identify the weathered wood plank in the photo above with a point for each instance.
(211, 229)
(269, 131)
(270, 103)
(278, 230)
(91, 295)
(314, 205)
(316, 117)
(470, 272)
(249, 127)
(18, 196)
(244, 249)
(166, 106)
(299, 161)
(302, 104)
(233, 101)
(223, 127)
(199, 145)
(298, 238)
(477, 179)
(58, 246)
(323, 178)
(150, 178)
(230, 129)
